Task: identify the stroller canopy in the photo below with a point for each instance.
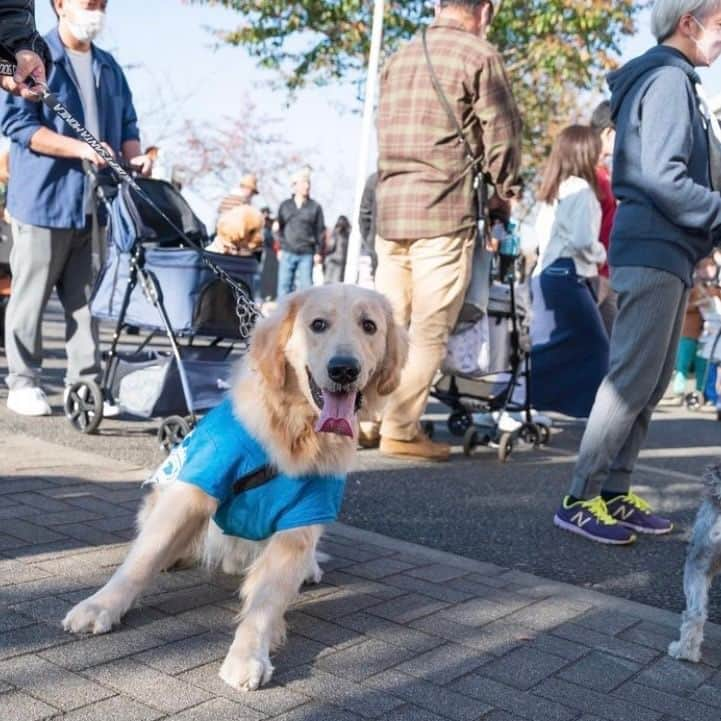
(133, 220)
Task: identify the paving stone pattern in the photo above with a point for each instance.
(394, 632)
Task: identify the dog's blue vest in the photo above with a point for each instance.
(220, 453)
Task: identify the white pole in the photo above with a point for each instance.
(354, 243)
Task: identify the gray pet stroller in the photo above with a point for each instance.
(157, 281)
(484, 402)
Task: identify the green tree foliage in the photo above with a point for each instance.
(556, 51)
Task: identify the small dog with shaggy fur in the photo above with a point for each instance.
(239, 232)
(703, 562)
(248, 491)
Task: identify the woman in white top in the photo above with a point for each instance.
(570, 346)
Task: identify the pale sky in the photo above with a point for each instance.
(175, 73)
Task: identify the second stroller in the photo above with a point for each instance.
(489, 397)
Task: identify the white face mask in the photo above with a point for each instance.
(87, 24)
(709, 45)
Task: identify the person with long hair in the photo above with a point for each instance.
(569, 355)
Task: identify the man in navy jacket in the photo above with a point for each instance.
(50, 198)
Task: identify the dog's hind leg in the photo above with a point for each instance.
(270, 587)
(179, 514)
(314, 573)
(696, 582)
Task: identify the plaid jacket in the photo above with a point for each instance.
(425, 186)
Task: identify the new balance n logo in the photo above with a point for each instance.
(580, 519)
(623, 512)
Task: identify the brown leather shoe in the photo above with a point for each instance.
(421, 447)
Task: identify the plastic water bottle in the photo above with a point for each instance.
(511, 242)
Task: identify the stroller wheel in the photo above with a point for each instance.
(505, 446)
(693, 401)
(84, 406)
(172, 430)
(471, 439)
(531, 434)
(429, 428)
(459, 422)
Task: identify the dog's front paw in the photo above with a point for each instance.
(684, 652)
(246, 672)
(89, 617)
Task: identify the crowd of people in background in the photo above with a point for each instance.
(605, 345)
(603, 348)
(297, 247)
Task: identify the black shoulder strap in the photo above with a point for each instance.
(479, 184)
(254, 479)
(446, 105)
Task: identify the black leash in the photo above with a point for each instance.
(475, 163)
(246, 310)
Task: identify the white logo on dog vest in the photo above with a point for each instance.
(580, 520)
(169, 470)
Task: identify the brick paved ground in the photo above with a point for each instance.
(395, 632)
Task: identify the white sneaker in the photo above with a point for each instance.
(28, 402)
(110, 410)
(505, 422)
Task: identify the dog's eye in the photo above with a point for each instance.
(319, 325)
(369, 326)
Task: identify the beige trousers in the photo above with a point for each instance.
(426, 281)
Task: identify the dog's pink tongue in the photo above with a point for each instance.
(337, 413)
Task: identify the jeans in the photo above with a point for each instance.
(295, 272)
(569, 353)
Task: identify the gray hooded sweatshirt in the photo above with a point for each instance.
(668, 216)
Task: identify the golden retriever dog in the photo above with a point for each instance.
(324, 354)
(239, 232)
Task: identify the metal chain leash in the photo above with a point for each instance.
(246, 310)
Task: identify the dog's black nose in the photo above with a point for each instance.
(343, 369)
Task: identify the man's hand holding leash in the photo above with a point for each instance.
(30, 73)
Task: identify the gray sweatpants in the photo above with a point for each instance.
(42, 259)
(606, 300)
(651, 307)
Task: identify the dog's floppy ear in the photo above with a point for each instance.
(396, 355)
(267, 344)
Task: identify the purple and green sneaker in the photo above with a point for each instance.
(633, 512)
(591, 520)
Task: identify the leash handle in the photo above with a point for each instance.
(50, 100)
(7, 68)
